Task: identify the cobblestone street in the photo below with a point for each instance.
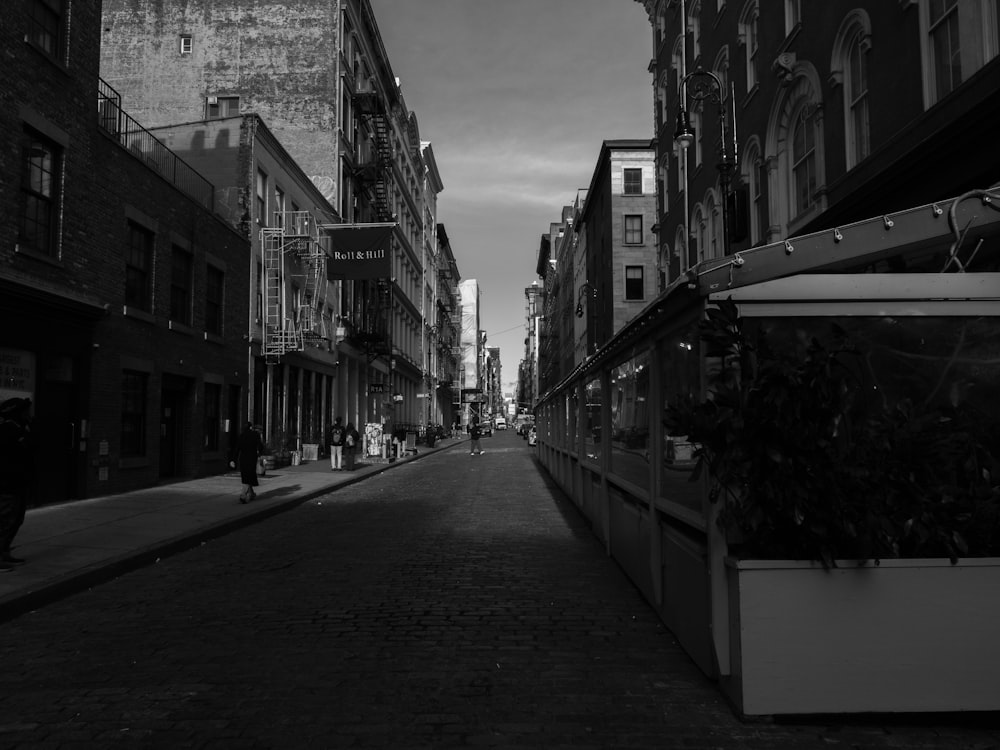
(456, 601)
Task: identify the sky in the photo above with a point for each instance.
(516, 98)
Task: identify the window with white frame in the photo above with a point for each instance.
(634, 283)
(960, 36)
(633, 229)
(632, 181)
(186, 44)
(748, 37)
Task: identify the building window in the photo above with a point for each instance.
(633, 181)
(261, 190)
(45, 26)
(40, 191)
(133, 435)
(279, 207)
(634, 287)
(181, 268)
(694, 26)
(748, 35)
(793, 15)
(213, 415)
(713, 228)
(960, 37)
(633, 230)
(803, 161)
(752, 179)
(222, 106)
(214, 299)
(139, 268)
(699, 231)
(856, 96)
(186, 44)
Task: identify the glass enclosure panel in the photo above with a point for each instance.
(592, 415)
(680, 365)
(940, 364)
(629, 399)
(572, 404)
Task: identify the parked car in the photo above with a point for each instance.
(532, 436)
(486, 428)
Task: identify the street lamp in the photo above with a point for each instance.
(585, 289)
(705, 86)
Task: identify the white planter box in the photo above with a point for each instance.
(905, 636)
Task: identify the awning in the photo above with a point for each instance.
(359, 251)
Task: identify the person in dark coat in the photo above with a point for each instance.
(248, 450)
(16, 460)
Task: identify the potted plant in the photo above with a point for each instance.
(827, 490)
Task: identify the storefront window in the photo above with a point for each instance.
(629, 397)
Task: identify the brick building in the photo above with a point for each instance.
(832, 112)
(318, 74)
(123, 296)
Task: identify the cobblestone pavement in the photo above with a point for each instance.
(455, 602)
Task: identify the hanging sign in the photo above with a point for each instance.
(359, 251)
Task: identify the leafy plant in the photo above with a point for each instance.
(809, 464)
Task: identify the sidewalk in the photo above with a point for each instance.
(75, 545)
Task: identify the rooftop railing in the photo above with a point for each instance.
(142, 144)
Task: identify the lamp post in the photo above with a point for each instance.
(705, 86)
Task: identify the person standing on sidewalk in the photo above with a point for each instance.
(16, 460)
(248, 450)
(351, 442)
(475, 432)
(335, 439)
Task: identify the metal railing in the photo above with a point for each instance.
(113, 120)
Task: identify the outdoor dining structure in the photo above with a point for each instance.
(794, 454)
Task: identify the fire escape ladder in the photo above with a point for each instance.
(274, 287)
(383, 158)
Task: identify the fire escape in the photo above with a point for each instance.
(292, 251)
(373, 174)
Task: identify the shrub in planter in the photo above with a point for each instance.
(812, 460)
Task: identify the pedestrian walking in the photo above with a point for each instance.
(248, 450)
(16, 461)
(475, 432)
(335, 439)
(352, 441)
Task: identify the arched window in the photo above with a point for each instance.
(699, 230)
(694, 26)
(677, 61)
(713, 228)
(748, 38)
(699, 132)
(751, 172)
(721, 69)
(680, 248)
(796, 176)
(849, 67)
(803, 160)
